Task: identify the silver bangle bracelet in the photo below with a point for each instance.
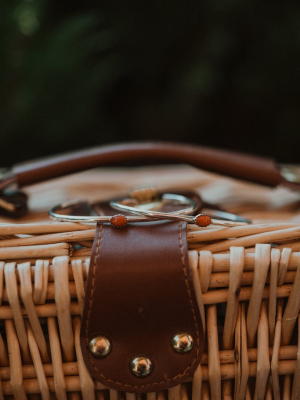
(165, 199)
(117, 220)
(145, 213)
(202, 220)
(120, 220)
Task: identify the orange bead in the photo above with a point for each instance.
(118, 221)
(202, 220)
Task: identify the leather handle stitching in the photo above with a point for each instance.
(185, 372)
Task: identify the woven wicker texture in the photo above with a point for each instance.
(247, 282)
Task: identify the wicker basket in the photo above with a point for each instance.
(247, 282)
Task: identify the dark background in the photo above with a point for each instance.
(75, 74)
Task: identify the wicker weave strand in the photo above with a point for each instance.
(261, 347)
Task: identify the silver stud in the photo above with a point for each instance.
(100, 346)
(182, 342)
(141, 366)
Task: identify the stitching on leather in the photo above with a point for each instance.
(189, 293)
(185, 372)
(93, 280)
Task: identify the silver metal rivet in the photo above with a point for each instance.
(182, 342)
(100, 346)
(141, 366)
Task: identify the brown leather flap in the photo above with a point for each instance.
(139, 295)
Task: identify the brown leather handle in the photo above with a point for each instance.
(251, 168)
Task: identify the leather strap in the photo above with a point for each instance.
(252, 168)
(139, 294)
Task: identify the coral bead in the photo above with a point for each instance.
(118, 221)
(202, 220)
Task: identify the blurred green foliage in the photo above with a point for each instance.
(75, 74)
